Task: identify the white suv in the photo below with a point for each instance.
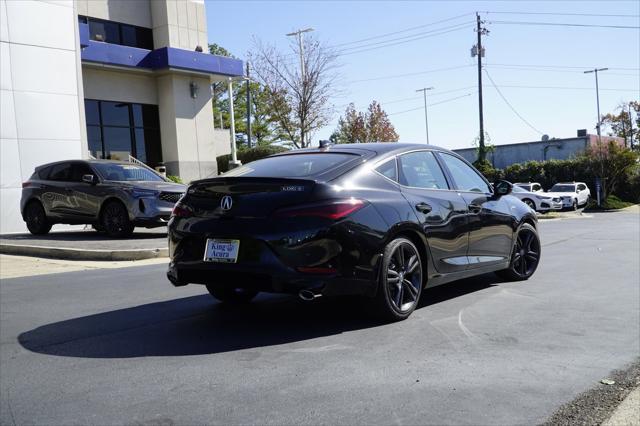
(529, 186)
(573, 194)
(538, 201)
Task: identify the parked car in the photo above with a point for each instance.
(380, 220)
(530, 186)
(112, 196)
(538, 201)
(573, 194)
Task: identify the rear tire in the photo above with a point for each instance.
(36, 218)
(231, 295)
(400, 280)
(525, 255)
(115, 220)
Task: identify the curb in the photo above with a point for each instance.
(79, 254)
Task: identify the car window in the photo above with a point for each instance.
(582, 187)
(562, 188)
(465, 177)
(78, 170)
(389, 170)
(536, 187)
(126, 172)
(293, 165)
(421, 170)
(525, 187)
(42, 173)
(60, 172)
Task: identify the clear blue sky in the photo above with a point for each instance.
(530, 55)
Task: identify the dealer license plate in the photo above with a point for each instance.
(225, 251)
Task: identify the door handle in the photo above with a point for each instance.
(423, 207)
(475, 208)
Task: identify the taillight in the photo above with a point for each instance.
(180, 210)
(26, 184)
(331, 209)
(317, 270)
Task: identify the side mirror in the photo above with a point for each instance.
(91, 179)
(502, 187)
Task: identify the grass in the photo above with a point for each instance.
(611, 203)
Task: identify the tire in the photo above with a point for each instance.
(36, 218)
(114, 220)
(98, 228)
(522, 266)
(574, 206)
(231, 295)
(530, 203)
(400, 280)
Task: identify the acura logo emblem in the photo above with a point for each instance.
(226, 202)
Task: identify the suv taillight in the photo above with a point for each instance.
(331, 209)
(26, 184)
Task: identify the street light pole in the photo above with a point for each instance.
(426, 117)
(600, 151)
(596, 71)
(303, 76)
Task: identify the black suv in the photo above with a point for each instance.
(112, 196)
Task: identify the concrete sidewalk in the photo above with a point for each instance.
(88, 245)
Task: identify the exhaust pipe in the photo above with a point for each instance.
(308, 295)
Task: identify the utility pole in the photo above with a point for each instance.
(596, 71)
(303, 75)
(600, 149)
(426, 117)
(248, 109)
(478, 51)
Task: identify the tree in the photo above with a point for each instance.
(298, 104)
(359, 127)
(612, 163)
(621, 124)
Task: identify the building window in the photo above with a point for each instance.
(116, 130)
(118, 33)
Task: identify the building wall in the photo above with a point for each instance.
(179, 23)
(134, 12)
(40, 112)
(505, 155)
(110, 85)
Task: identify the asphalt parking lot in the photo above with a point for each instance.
(122, 346)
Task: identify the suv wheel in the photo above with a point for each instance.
(400, 282)
(36, 218)
(115, 220)
(530, 203)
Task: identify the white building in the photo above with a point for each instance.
(109, 79)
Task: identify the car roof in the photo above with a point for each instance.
(378, 148)
(80, 160)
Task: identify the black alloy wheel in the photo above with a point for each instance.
(36, 218)
(525, 256)
(400, 283)
(530, 203)
(115, 220)
(231, 295)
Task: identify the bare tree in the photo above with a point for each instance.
(299, 104)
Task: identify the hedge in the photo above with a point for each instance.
(248, 155)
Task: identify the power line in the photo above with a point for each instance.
(402, 31)
(563, 88)
(604, 15)
(387, 77)
(504, 67)
(466, 25)
(433, 104)
(413, 98)
(563, 66)
(509, 104)
(565, 24)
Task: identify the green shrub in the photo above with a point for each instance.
(492, 174)
(175, 179)
(611, 203)
(248, 155)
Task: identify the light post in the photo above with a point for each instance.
(303, 77)
(426, 117)
(596, 71)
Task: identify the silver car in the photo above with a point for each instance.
(112, 196)
(538, 201)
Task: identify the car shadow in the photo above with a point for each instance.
(197, 325)
(88, 235)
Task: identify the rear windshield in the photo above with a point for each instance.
(293, 165)
(125, 172)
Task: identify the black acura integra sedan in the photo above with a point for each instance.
(383, 220)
